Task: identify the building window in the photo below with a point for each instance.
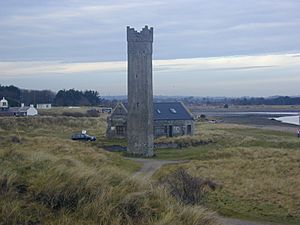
(120, 130)
(189, 129)
(176, 130)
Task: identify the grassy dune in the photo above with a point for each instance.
(59, 111)
(45, 178)
(258, 171)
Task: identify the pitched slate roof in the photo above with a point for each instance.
(171, 111)
(119, 110)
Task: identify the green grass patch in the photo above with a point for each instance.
(257, 170)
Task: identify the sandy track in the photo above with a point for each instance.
(150, 166)
(230, 221)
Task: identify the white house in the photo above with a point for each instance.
(5, 110)
(3, 103)
(24, 110)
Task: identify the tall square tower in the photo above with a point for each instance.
(140, 92)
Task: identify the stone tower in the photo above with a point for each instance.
(140, 92)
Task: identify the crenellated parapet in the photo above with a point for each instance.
(145, 35)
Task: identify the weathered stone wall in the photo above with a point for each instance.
(140, 92)
(112, 127)
(179, 127)
(159, 127)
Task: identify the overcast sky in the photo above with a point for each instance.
(201, 47)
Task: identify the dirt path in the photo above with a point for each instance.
(150, 166)
(230, 221)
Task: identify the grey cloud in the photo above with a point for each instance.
(93, 30)
(196, 28)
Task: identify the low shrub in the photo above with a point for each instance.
(74, 114)
(92, 113)
(15, 139)
(187, 188)
(3, 184)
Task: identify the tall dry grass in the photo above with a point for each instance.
(49, 179)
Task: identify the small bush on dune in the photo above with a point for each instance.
(15, 139)
(89, 113)
(92, 113)
(3, 184)
(74, 114)
(186, 188)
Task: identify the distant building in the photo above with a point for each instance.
(5, 110)
(44, 106)
(3, 104)
(117, 122)
(170, 119)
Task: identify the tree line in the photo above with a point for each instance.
(71, 97)
(74, 97)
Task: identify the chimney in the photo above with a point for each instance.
(22, 104)
(31, 106)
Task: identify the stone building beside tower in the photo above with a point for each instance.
(170, 119)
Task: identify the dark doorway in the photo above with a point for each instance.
(166, 130)
(170, 131)
(189, 129)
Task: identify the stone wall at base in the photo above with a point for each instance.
(173, 128)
